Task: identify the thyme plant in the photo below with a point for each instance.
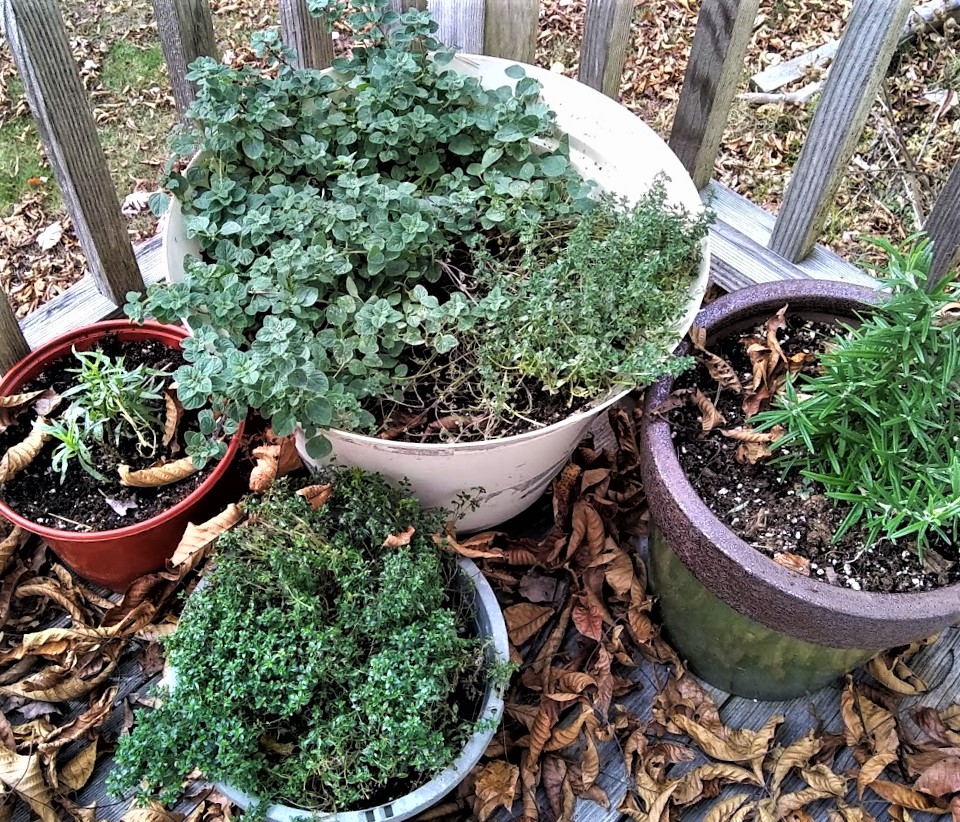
(879, 425)
(364, 228)
(321, 662)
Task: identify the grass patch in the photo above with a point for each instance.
(20, 161)
(128, 65)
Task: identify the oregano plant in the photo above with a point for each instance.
(366, 231)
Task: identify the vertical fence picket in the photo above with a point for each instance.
(510, 29)
(402, 5)
(461, 23)
(13, 346)
(305, 34)
(710, 83)
(943, 226)
(60, 107)
(862, 59)
(606, 33)
(186, 33)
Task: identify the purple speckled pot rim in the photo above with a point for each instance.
(721, 560)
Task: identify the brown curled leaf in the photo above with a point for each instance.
(400, 539)
(793, 562)
(9, 545)
(316, 495)
(173, 413)
(275, 458)
(19, 456)
(710, 417)
(197, 538)
(742, 434)
(157, 475)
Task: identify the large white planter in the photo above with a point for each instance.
(623, 155)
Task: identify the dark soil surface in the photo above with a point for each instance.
(788, 515)
(432, 412)
(80, 502)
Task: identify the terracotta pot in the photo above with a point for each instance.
(745, 623)
(115, 558)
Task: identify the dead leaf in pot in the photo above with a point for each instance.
(120, 505)
(479, 546)
(746, 434)
(13, 404)
(157, 475)
(710, 417)
(793, 562)
(718, 368)
(19, 456)
(173, 413)
(9, 545)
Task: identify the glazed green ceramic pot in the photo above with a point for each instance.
(743, 622)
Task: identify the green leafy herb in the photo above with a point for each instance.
(320, 663)
(878, 426)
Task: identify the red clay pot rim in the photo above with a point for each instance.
(14, 378)
(877, 608)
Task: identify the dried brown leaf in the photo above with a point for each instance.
(587, 617)
(316, 495)
(19, 456)
(691, 786)
(796, 755)
(739, 746)
(496, 786)
(23, 775)
(400, 539)
(732, 809)
(710, 417)
(540, 732)
(890, 669)
(793, 562)
(9, 545)
(619, 574)
(274, 459)
(940, 779)
(478, 546)
(157, 475)
(589, 761)
(197, 539)
(872, 768)
(77, 772)
(525, 619)
(906, 797)
(154, 813)
(747, 434)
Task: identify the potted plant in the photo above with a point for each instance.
(336, 659)
(99, 459)
(407, 258)
(862, 491)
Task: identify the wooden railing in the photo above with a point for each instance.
(749, 245)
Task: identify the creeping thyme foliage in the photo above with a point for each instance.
(345, 217)
(318, 665)
(879, 425)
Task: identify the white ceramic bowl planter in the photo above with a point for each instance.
(623, 155)
(489, 623)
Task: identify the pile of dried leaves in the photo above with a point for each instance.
(601, 709)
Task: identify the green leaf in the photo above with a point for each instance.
(462, 144)
(515, 72)
(554, 165)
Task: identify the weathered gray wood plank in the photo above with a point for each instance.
(510, 29)
(740, 254)
(943, 226)
(606, 33)
(866, 47)
(82, 303)
(402, 5)
(461, 23)
(13, 345)
(60, 107)
(710, 83)
(186, 33)
(305, 34)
